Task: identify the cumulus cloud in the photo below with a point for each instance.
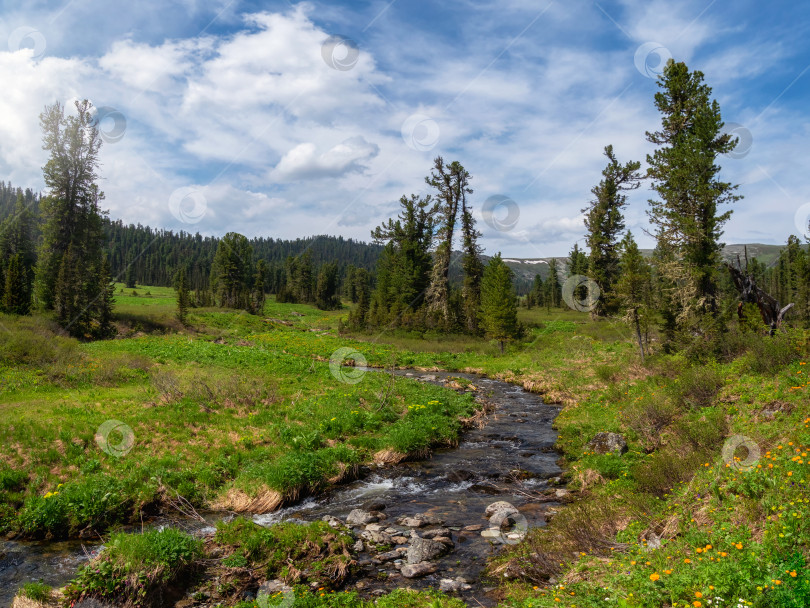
(304, 162)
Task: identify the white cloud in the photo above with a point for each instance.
(304, 162)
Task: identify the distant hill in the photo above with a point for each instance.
(526, 268)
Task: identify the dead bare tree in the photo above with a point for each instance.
(769, 308)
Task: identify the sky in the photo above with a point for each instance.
(285, 119)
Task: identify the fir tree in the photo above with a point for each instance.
(451, 182)
(633, 289)
(232, 272)
(498, 308)
(473, 269)
(552, 290)
(684, 173)
(604, 221)
(71, 274)
(183, 296)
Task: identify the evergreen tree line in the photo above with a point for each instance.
(414, 287)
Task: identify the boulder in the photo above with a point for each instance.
(332, 521)
(416, 570)
(501, 506)
(424, 549)
(373, 505)
(377, 538)
(358, 517)
(436, 532)
(605, 443)
(419, 520)
(448, 585)
(358, 547)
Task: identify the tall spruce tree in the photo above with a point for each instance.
(604, 221)
(183, 296)
(552, 290)
(232, 272)
(72, 276)
(473, 269)
(452, 185)
(684, 173)
(633, 289)
(403, 271)
(498, 302)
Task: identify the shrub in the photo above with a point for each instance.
(697, 386)
(770, 354)
(649, 417)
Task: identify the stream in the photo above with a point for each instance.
(510, 458)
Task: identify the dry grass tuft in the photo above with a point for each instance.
(236, 500)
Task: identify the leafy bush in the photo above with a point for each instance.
(697, 386)
(770, 354)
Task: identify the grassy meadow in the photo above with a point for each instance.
(242, 412)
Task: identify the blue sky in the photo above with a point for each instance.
(235, 115)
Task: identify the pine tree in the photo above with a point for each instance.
(403, 270)
(129, 277)
(498, 308)
(451, 182)
(684, 171)
(232, 272)
(552, 290)
(473, 269)
(258, 297)
(327, 287)
(183, 296)
(604, 221)
(16, 294)
(537, 290)
(71, 276)
(633, 289)
(578, 265)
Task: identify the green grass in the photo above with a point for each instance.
(134, 569)
(246, 405)
(238, 403)
(39, 592)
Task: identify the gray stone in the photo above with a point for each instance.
(445, 540)
(378, 538)
(358, 517)
(500, 507)
(416, 570)
(332, 521)
(436, 532)
(374, 505)
(358, 546)
(374, 527)
(605, 443)
(424, 549)
(419, 520)
(449, 585)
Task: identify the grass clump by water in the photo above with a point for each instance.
(288, 551)
(39, 592)
(138, 569)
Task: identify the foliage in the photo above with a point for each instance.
(498, 307)
(604, 221)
